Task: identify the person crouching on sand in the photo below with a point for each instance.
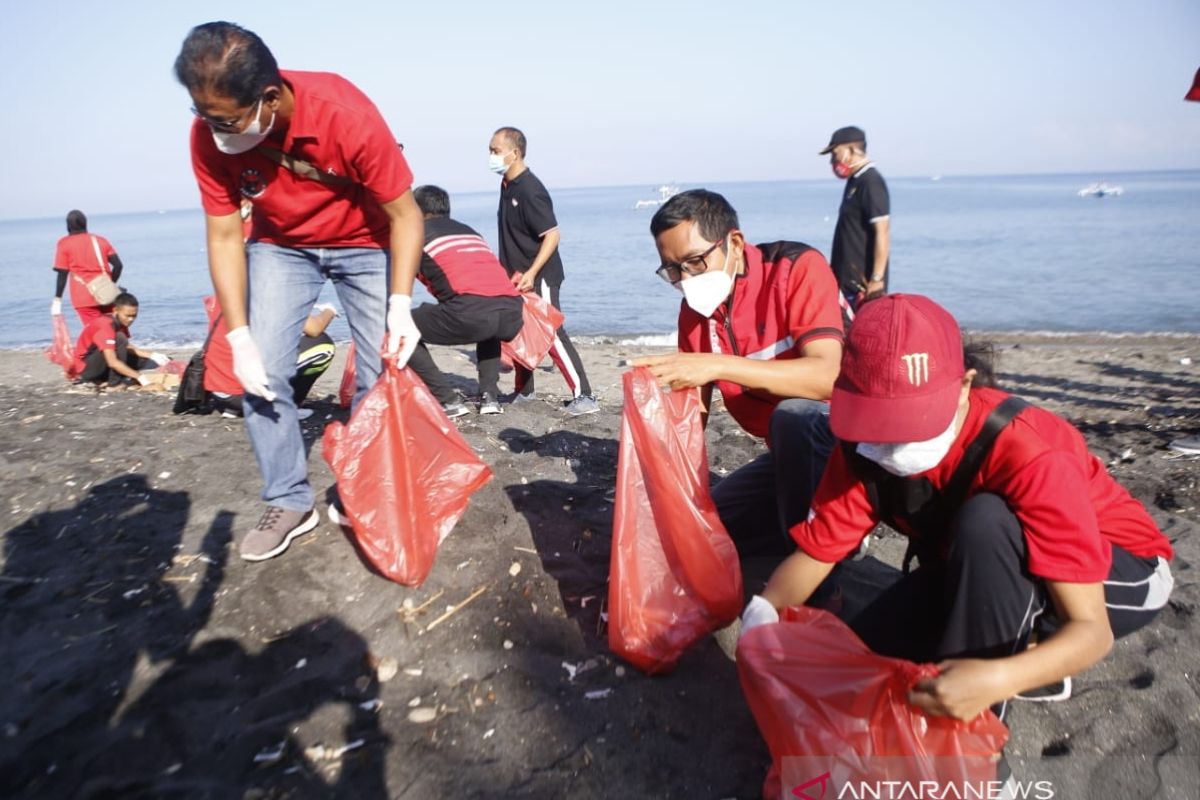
(1032, 540)
(103, 352)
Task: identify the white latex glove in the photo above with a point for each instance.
(319, 307)
(143, 380)
(758, 612)
(56, 306)
(159, 358)
(402, 333)
(247, 363)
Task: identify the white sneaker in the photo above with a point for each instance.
(337, 516)
(1188, 445)
(1050, 693)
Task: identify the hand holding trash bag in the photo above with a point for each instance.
(404, 474)
(821, 696)
(675, 575)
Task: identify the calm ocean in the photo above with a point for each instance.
(1002, 253)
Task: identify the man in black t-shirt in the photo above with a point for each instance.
(529, 252)
(861, 241)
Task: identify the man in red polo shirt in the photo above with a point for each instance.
(103, 352)
(763, 324)
(332, 200)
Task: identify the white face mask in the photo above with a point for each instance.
(705, 292)
(910, 458)
(234, 143)
(496, 163)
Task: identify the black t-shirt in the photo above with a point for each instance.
(526, 213)
(853, 258)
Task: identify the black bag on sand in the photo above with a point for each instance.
(192, 396)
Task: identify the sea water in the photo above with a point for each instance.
(1002, 253)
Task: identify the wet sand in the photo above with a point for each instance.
(143, 658)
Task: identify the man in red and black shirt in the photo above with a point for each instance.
(103, 352)
(476, 302)
(764, 325)
(332, 201)
(79, 257)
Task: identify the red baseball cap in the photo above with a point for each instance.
(901, 373)
(1194, 94)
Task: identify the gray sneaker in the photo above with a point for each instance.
(517, 399)
(488, 404)
(455, 409)
(584, 404)
(275, 531)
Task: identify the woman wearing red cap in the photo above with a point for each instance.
(1020, 533)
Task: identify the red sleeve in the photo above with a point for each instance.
(105, 337)
(218, 187)
(60, 255)
(106, 248)
(377, 158)
(1049, 494)
(841, 514)
(812, 301)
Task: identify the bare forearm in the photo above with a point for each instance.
(120, 367)
(1077, 645)
(882, 248)
(407, 238)
(227, 267)
(801, 377)
(794, 581)
(547, 248)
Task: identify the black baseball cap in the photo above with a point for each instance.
(845, 136)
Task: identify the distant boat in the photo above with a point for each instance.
(665, 193)
(1100, 189)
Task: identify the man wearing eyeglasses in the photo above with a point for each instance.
(764, 325)
(332, 200)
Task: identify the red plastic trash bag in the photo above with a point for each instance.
(675, 575)
(404, 474)
(834, 712)
(61, 351)
(173, 367)
(542, 321)
(346, 390)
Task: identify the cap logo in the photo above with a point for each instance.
(918, 367)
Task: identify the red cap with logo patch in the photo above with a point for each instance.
(901, 373)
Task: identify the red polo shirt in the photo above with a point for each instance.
(337, 129)
(101, 334)
(786, 298)
(77, 255)
(1071, 510)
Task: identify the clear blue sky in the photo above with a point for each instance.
(619, 92)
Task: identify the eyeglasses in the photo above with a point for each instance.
(227, 125)
(692, 265)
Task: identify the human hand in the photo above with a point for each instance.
(963, 690)
(680, 370)
(525, 284)
(247, 363)
(516, 278)
(56, 306)
(759, 611)
(874, 289)
(402, 333)
(160, 359)
(143, 380)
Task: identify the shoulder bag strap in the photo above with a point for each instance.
(303, 168)
(212, 329)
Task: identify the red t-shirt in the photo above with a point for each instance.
(77, 255)
(100, 333)
(218, 358)
(1071, 510)
(779, 306)
(337, 129)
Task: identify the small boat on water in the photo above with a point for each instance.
(665, 193)
(1100, 189)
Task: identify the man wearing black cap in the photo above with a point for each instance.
(861, 240)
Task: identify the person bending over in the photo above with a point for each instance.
(1020, 533)
(105, 355)
(763, 324)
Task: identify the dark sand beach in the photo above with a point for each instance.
(142, 658)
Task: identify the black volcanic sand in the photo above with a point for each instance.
(142, 658)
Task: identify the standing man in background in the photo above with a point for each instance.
(332, 200)
(82, 256)
(861, 241)
(529, 252)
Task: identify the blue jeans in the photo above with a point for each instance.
(760, 502)
(284, 285)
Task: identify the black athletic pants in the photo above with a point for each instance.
(95, 367)
(562, 353)
(466, 319)
(983, 602)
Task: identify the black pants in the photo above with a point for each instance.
(95, 367)
(562, 353)
(466, 319)
(314, 357)
(983, 602)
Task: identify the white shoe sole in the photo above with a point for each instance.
(304, 527)
(338, 518)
